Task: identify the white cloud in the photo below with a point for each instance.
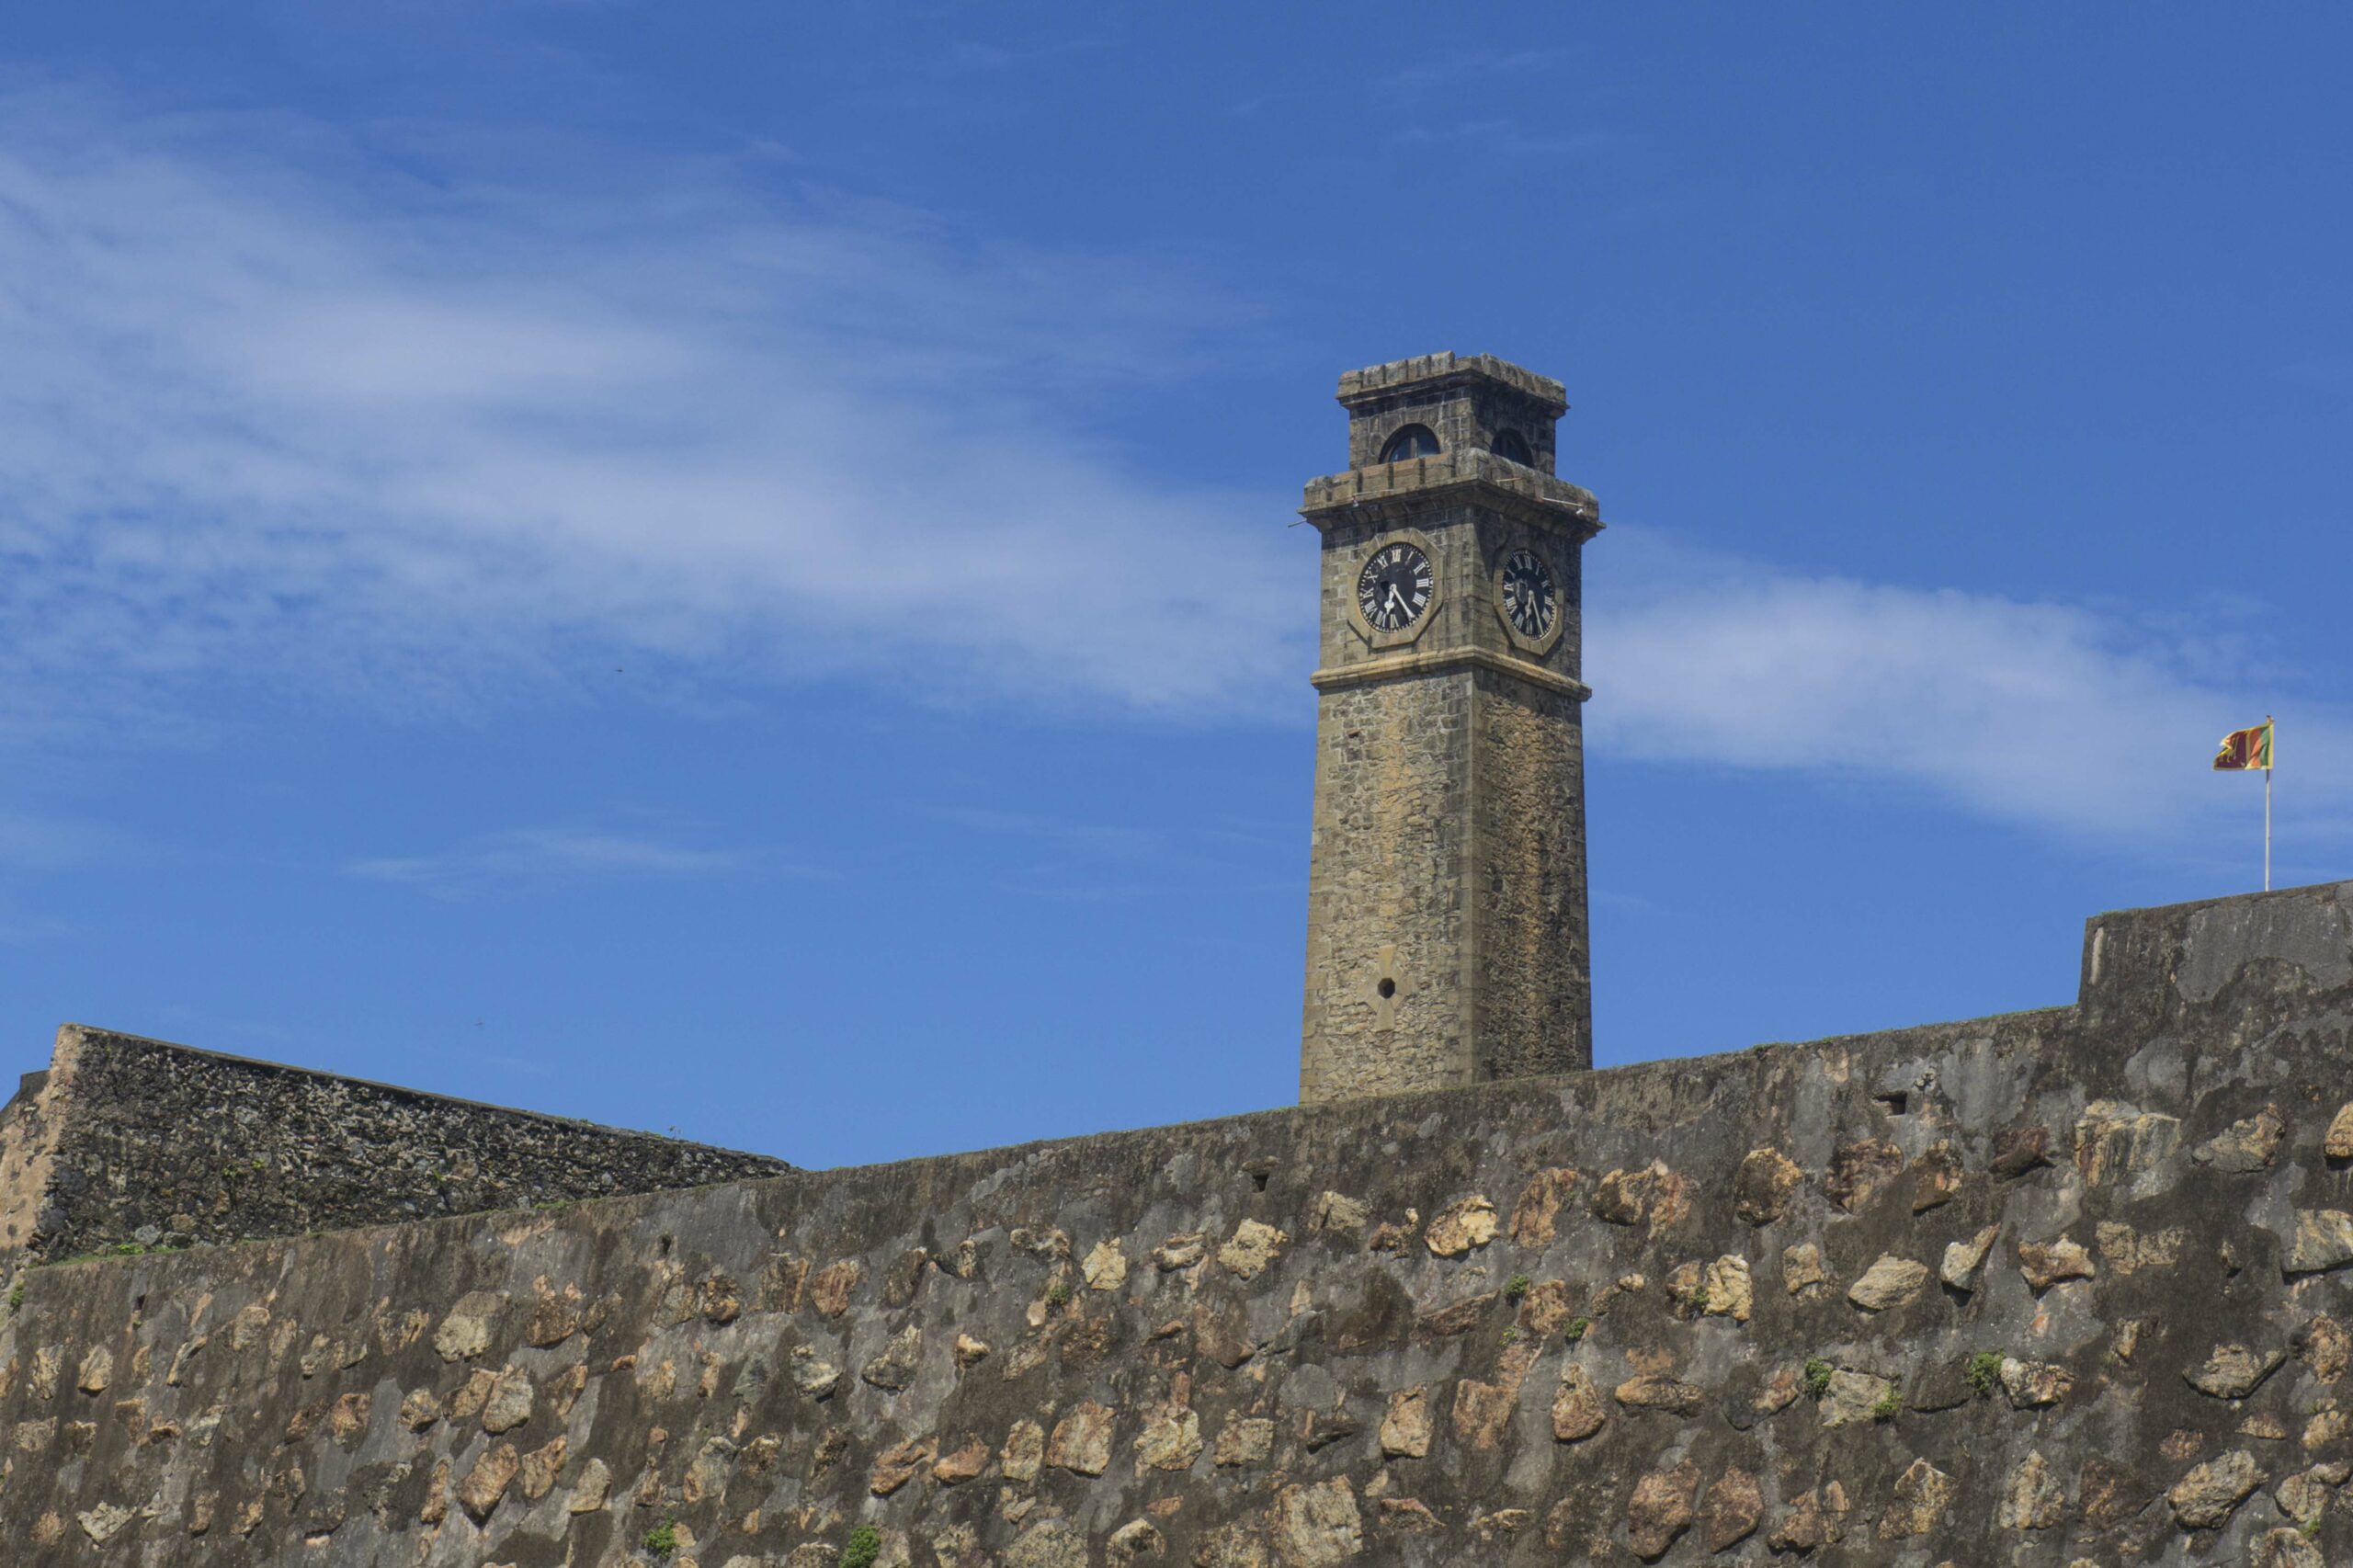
(540, 855)
(277, 407)
(272, 403)
(2049, 713)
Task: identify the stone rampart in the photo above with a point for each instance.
(125, 1142)
(2059, 1287)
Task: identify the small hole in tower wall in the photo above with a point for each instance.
(1387, 988)
(1895, 1103)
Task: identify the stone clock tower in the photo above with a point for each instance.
(1446, 927)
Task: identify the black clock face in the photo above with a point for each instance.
(1394, 590)
(1529, 599)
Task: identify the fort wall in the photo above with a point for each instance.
(2057, 1288)
(124, 1141)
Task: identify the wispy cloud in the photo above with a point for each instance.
(278, 407)
(275, 403)
(2086, 721)
(543, 855)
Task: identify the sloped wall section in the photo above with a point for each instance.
(125, 1142)
(2065, 1287)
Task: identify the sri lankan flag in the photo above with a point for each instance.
(2245, 749)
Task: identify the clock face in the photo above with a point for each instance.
(1529, 599)
(1394, 590)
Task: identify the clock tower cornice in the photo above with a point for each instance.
(1388, 493)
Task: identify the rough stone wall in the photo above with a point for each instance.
(1386, 890)
(1465, 400)
(1534, 992)
(133, 1141)
(1448, 844)
(2062, 1288)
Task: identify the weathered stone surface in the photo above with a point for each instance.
(1053, 1544)
(105, 1521)
(1170, 1441)
(1851, 1397)
(542, 1465)
(1861, 1171)
(1922, 1495)
(2033, 1498)
(1106, 1267)
(1936, 1178)
(901, 1463)
(1460, 1226)
(898, 1362)
(2232, 1372)
(1405, 1430)
(1319, 1526)
(1656, 1390)
(2303, 1496)
(589, 1492)
(2046, 1263)
(959, 1465)
(1180, 1252)
(1805, 1526)
(1254, 1247)
(1577, 1410)
(2337, 1143)
(1661, 1509)
(1136, 1539)
(1624, 1198)
(1762, 1186)
(1726, 1290)
(297, 1390)
(1025, 1451)
(2246, 1146)
(2322, 1240)
(465, 1333)
(1731, 1509)
(2325, 1346)
(148, 1143)
(2211, 1492)
(1339, 1213)
(1535, 1217)
(2286, 1548)
(1803, 1270)
(487, 1482)
(1082, 1440)
(1890, 1281)
(1483, 1409)
(2032, 1384)
(1246, 1439)
(2115, 1141)
(509, 1404)
(1963, 1258)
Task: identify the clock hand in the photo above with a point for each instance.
(1397, 599)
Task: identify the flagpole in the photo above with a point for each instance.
(2271, 743)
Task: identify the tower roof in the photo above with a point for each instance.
(1377, 383)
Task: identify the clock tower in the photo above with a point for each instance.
(1446, 925)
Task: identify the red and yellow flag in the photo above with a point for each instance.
(2245, 749)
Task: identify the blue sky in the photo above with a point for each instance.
(725, 567)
